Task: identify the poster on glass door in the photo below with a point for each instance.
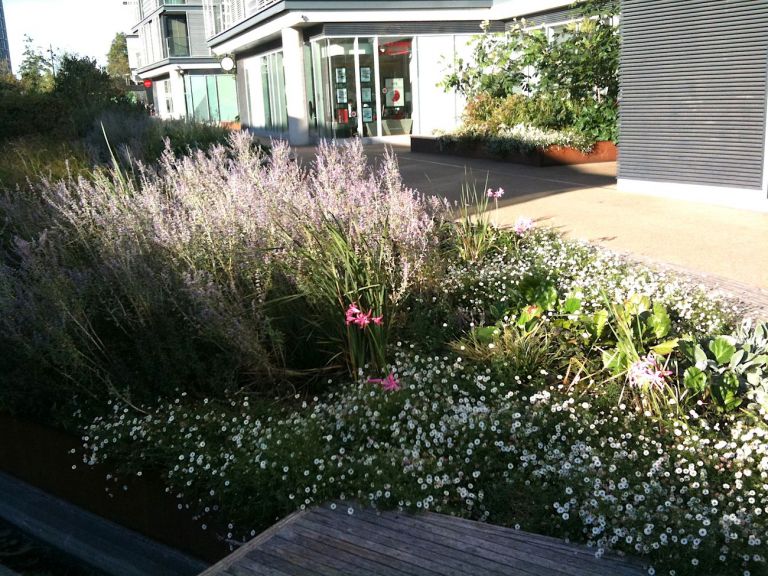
(394, 92)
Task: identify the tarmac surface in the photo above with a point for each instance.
(723, 248)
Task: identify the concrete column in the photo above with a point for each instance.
(295, 89)
(178, 94)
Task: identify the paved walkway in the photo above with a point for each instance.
(725, 248)
(336, 540)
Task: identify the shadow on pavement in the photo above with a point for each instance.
(443, 176)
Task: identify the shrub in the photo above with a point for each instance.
(137, 285)
(513, 140)
(135, 136)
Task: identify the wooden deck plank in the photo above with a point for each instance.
(547, 543)
(328, 541)
(353, 553)
(401, 563)
(246, 567)
(95, 541)
(465, 548)
(233, 558)
(431, 551)
(526, 557)
(515, 551)
(261, 557)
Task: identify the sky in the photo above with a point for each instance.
(86, 27)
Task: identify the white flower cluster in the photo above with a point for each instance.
(596, 274)
(689, 497)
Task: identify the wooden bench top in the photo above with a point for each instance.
(331, 541)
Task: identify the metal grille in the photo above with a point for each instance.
(693, 91)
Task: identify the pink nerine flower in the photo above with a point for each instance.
(495, 194)
(646, 372)
(354, 315)
(389, 384)
(522, 225)
(363, 319)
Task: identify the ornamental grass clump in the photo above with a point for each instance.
(178, 275)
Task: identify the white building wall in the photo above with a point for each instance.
(435, 108)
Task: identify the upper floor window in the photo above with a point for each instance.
(176, 35)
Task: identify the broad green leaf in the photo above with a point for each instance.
(722, 348)
(726, 391)
(486, 334)
(687, 348)
(699, 356)
(665, 347)
(571, 305)
(736, 359)
(612, 360)
(695, 380)
(659, 321)
(754, 377)
(600, 319)
(547, 297)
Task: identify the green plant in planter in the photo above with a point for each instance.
(729, 369)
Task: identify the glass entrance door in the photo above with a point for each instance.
(396, 96)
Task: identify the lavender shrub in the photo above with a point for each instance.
(164, 279)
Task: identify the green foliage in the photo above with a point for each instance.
(569, 81)
(66, 108)
(337, 276)
(33, 157)
(36, 69)
(117, 59)
(494, 68)
(729, 370)
(86, 91)
(473, 231)
(134, 135)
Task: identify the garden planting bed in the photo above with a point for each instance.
(265, 337)
(550, 156)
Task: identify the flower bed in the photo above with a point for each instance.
(520, 144)
(384, 348)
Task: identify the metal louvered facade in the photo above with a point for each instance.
(693, 92)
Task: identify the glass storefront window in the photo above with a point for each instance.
(343, 84)
(362, 86)
(265, 85)
(211, 97)
(368, 91)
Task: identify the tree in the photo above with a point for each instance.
(36, 70)
(117, 58)
(85, 89)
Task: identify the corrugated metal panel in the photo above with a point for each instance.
(693, 91)
(196, 27)
(407, 28)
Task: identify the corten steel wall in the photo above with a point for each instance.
(693, 91)
(5, 53)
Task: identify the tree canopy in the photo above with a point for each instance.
(117, 58)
